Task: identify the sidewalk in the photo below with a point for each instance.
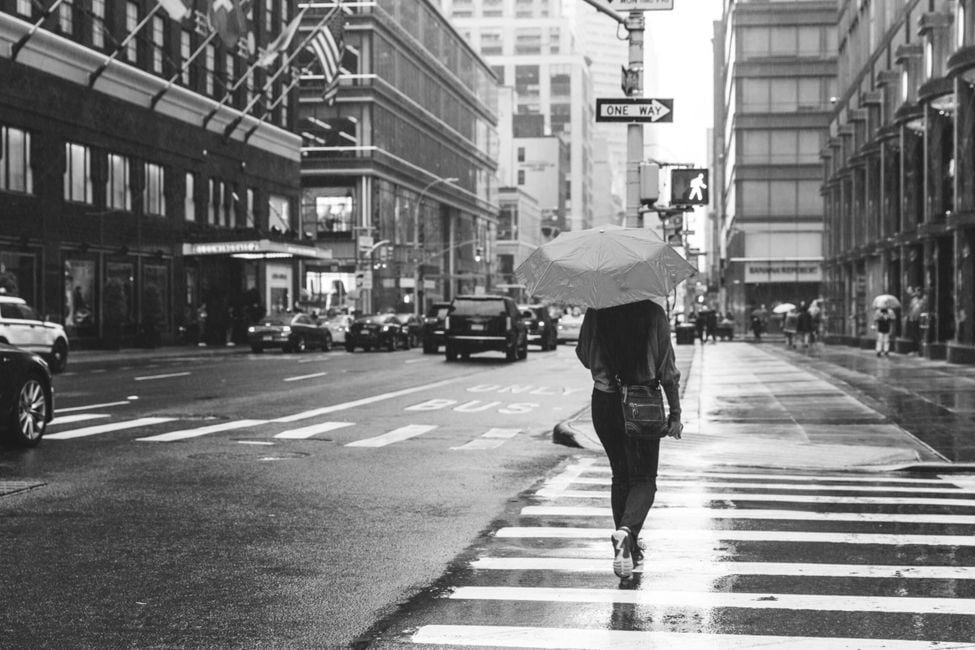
(828, 408)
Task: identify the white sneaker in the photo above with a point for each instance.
(622, 556)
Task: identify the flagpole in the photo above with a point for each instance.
(236, 122)
(18, 46)
(275, 104)
(230, 93)
(172, 80)
(104, 66)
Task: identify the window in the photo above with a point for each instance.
(228, 67)
(268, 19)
(118, 194)
(98, 23)
(521, 176)
(212, 203)
(227, 202)
(77, 173)
(491, 43)
(15, 170)
(492, 9)
(211, 58)
(251, 218)
(158, 41)
(521, 154)
(131, 21)
(24, 7)
(279, 213)
(66, 17)
(185, 46)
(528, 41)
(189, 198)
(154, 194)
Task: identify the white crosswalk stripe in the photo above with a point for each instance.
(825, 552)
(106, 428)
(396, 435)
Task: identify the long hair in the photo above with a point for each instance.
(623, 333)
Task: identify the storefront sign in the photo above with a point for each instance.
(256, 249)
(764, 271)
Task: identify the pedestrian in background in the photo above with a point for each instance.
(711, 326)
(881, 322)
(804, 324)
(629, 344)
(789, 323)
(914, 310)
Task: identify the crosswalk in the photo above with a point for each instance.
(734, 560)
(162, 429)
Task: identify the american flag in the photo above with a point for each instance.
(328, 45)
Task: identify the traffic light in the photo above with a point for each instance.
(478, 253)
(689, 186)
(649, 183)
(673, 224)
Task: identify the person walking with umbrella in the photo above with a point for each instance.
(621, 275)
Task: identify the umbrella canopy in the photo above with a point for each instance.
(603, 267)
(886, 301)
(783, 308)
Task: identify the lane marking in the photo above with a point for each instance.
(700, 567)
(697, 534)
(505, 636)
(697, 514)
(105, 428)
(314, 429)
(697, 498)
(88, 407)
(693, 476)
(396, 435)
(301, 377)
(360, 402)
(80, 417)
(712, 599)
(946, 488)
(166, 376)
(202, 431)
(491, 439)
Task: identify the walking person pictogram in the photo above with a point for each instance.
(697, 188)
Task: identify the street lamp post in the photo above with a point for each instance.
(416, 240)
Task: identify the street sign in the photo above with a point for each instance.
(641, 5)
(635, 109)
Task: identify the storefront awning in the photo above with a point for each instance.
(258, 249)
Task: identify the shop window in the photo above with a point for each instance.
(154, 195)
(77, 173)
(118, 189)
(79, 293)
(327, 210)
(15, 164)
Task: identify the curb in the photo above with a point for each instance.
(564, 433)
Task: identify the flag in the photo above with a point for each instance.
(328, 46)
(281, 43)
(177, 9)
(228, 19)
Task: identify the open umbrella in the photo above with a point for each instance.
(605, 266)
(886, 301)
(783, 308)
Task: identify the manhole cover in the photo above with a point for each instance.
(13, 487)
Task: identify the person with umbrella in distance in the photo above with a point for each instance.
(883, 321)
(621, 274)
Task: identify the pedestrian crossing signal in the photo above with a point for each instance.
(689, 187)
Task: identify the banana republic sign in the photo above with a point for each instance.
(772, 271)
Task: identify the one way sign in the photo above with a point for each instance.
(635, 109)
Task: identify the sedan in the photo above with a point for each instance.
(414, 328)
(290, 332)
(542, 328)
(26, 395)
(569, 326)
(339, 326)
(377, 331)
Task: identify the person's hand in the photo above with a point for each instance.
(674, 428)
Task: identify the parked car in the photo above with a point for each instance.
(542, 328)
(26, 395)
(339, 327)
(290, 332)
(479, 323)
(569, 325)
(433, 327)
(20, 325)
(414, 328)
(377, 331)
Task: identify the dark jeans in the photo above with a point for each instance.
(634, 463)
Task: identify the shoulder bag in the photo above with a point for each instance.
(643, 411)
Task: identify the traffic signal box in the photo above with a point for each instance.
(673, 223)
(689, 186)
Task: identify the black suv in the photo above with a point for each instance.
(542, 328)
(433, 327)
(481, 323)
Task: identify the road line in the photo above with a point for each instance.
(314, 429)
(105, 428)
(701, 567)
(693, 476)
(671, 599)
(697, 498)
(697, 514)
(491, 439)
(504, 636)
(396, 435)
(202, 431)
(300, 377)
(947, 488)
(166, 376)
(80, 417)
(360, 402)
(699, 535)
(88, 407)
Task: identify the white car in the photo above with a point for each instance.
(20, 325)
(338, 326)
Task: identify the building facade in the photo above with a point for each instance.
(775, 75)
(136, 192)
(900, 175)
(398, 175)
